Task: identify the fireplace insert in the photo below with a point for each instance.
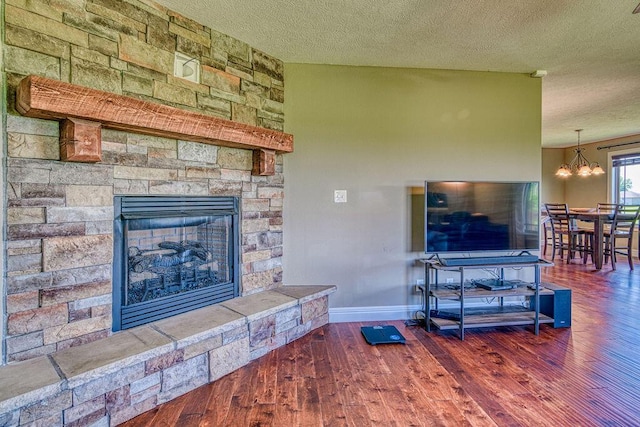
(172, 255)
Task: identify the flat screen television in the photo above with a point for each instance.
(472, 216)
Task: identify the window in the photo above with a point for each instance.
(625, 183)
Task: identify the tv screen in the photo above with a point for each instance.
(473, 216)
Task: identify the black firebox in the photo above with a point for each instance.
(172, 255)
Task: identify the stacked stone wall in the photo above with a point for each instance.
(59, 215)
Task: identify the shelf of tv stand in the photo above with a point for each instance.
(516, 318)
(447, 293)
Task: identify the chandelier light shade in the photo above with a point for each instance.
(579, 165)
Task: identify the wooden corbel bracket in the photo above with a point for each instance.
(80, 141)
(264, 162)
(83, 111)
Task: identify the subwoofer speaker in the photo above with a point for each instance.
(557, 306)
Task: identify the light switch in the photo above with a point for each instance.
(340, 196)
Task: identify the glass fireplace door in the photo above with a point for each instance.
(173, 262)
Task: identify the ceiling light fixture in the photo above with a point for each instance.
(579, 165)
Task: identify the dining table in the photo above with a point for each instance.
(599, 219)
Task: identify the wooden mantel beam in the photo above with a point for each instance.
(52, 99)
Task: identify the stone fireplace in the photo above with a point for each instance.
(60, 231)
(180, 180)
(217, 140)
(183, 235)
(172, 255)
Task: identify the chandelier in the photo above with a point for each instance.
(579, 165)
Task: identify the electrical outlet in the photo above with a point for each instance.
(340, 196)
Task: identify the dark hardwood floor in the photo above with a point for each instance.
(586, 375)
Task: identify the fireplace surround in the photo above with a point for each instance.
(222, 137)
(172, 255)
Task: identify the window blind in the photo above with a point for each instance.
(626, 160)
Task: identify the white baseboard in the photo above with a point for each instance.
(394, 312)
(365, 314)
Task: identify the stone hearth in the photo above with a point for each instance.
(113, 380)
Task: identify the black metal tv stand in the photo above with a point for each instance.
(502, 315)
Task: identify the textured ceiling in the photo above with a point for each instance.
(590, 48)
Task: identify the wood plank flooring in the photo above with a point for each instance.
(586, 375)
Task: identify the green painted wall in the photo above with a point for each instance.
(379, 133)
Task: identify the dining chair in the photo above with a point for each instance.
(607, 207)
(624, 221)
(547, 234)
(565, 234)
